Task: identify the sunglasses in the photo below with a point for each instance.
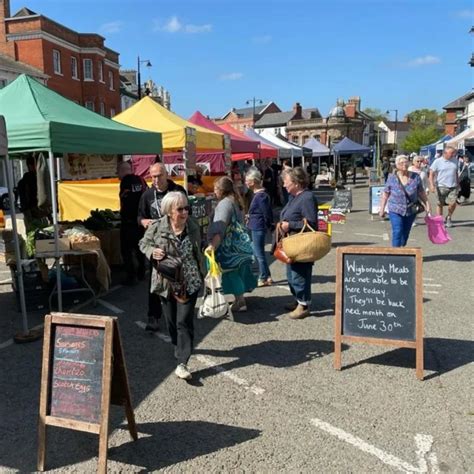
(182, 209)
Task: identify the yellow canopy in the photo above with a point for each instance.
(149, 115)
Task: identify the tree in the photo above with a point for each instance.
(420, 136)
(426, 117)
(376, 114)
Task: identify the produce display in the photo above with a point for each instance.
(103, 219)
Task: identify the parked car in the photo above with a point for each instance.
(4, 199)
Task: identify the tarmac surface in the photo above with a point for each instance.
(265, 396)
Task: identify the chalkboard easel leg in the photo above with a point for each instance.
(337, 354)
(41, 445)
(419, 361)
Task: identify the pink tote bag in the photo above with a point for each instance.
(437, 232)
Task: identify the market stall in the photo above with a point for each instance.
(431, 149)
(347, 147)
(47, 123)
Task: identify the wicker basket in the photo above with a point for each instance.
(307, 246)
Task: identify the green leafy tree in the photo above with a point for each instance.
(426, 117)
(377, 114)
(420, 136)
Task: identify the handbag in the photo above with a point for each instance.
(170, 267)
(306, 246)
(415, 206)
(437, 232)
(214, 304)
(236, 246)
(278, 252)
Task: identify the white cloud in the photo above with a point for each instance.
(111, 27)
(232, 76)
(423, 61)
(265, 39)
(198, 28)
(174, 25)
(465, 13)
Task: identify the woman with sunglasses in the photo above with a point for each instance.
(402, 190)
(177, 235)
(418, 167)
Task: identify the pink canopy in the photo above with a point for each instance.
(238, 144)
(266, 151)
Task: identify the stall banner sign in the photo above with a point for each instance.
(324, 224)
(375, 198)
(77, 166)
(336, 216)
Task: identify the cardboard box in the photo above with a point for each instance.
(92, 244)
(47, 245)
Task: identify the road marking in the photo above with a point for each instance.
(5, 271)
(110, 306)
(283, 287)
(431, 292)
(158, 334)
(432, 284)
(226, 373)
(428, 279)
(337, 231)
(423, 444)
(8, 343)
(6, 282)
(370, 235)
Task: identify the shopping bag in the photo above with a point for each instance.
(437, 232)
(214, 304)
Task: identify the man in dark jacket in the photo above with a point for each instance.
(149, 210)
(131, 189)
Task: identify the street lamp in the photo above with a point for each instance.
(139, 78)
(396, 125)
(254, 101)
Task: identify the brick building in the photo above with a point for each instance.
(344, 120)
(241, 119)
(455, 114)
(79, 66)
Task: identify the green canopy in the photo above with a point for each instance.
(39, 119)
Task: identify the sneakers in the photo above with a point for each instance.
(267, 282)
(239, 305)
(448, 223)
(291, 306)
(300, 312)
(183, 372)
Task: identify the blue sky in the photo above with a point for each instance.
(213, 55)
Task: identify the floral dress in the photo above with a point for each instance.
(192, 276)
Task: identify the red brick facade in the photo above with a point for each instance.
(241, 122)
(35, 40)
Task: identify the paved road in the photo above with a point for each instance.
(265, 397)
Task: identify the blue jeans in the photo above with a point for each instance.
(401, 226)
(258, 244)
(299, 280)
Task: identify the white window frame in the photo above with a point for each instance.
(112, 112)
(111, 80)
(89, 104)
(102, 108)
(88, 61)
(101, 71)
(74, 68)
(57, 62)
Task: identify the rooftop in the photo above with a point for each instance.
(460, 102)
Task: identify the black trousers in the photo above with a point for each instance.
(154, 303)
(179, 319)
(130, 235)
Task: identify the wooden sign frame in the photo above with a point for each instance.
(339, 338)
(115, 387)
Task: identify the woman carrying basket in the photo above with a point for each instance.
(302, 205)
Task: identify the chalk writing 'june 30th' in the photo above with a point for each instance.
(370, 297)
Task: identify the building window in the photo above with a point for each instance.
(111, 80)
(88, 70)
(305, 139)
(90, 105)
(3, 83)
(317, 137)
(112, 112)
(102, 108)
(276, 131)
(101, 71)
(57, 61)
(74, 68)
(294, 139)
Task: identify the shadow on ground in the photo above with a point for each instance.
(164, 444)
(441, 356)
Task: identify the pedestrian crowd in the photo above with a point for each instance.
(159, 232)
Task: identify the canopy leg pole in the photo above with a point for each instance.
(52, 170)
(185, 161)
(19, 266)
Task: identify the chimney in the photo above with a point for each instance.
(356, 102)
(5, 48)
(350, 109)
(298, 111)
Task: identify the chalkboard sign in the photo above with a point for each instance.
(343, 199)
(76, 375)
(379, 298)
(324, 194)
(83, 363)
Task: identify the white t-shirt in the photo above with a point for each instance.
(447, 172)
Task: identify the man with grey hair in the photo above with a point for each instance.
(149, 210)
(445, 181)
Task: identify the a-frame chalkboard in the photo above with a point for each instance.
(379, 299)
(83, 373)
